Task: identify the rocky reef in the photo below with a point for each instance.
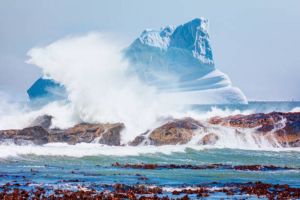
(278, 128)
(144, 192)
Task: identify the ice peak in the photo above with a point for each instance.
(191, 37)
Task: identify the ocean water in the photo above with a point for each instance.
(91, 165)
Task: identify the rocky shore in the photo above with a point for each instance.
(280, 129)
(25, 188)
(143, 192)
(203, 167)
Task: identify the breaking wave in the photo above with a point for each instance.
(100, 89)
(90, 149)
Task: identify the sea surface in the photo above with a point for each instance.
(94, 166)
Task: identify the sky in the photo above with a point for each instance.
(255, 42)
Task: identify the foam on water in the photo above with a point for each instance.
(84, 149)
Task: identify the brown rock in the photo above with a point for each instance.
(209, 139)
(36, 135)
(179, 131)
(112, 135)
(139, 139)
(284, 127)
(106, 133)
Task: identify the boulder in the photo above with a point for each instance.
(178, 131)
(44, 121)
(109, 134)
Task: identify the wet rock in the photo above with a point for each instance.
(102, 133)
(179, 131)
(105, 134)
(284, 127)
(139, 139)
(138, 191)
(209, 139)
(112, 135)
(152, 166)
(8, 134)
(35, 135)
(43, 121)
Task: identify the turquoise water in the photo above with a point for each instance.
(99, 169)
(254, 106)
(62, 167)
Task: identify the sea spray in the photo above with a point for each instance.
(99, 87)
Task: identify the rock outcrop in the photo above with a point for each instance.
(175, 132)
(35, 134)
(285, 127)
(280, 129)
(109, 134)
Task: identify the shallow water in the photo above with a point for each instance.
(99, 169)
(90, 165)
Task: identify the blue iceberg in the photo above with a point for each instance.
(46, 89)
(177, 61)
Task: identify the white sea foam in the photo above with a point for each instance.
(84, 149)
(296, 109)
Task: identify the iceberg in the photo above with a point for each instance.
(178, 61)
(46, 89)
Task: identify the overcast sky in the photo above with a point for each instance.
(255, 42)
